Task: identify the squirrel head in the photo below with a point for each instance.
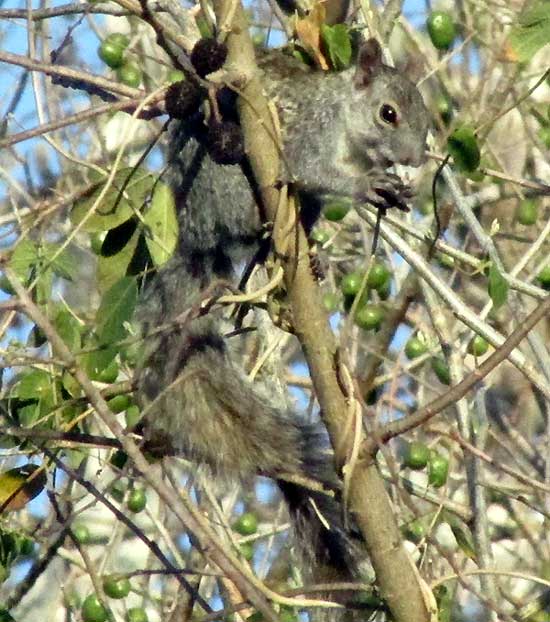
(387, 118)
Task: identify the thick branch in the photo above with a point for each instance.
(397, 576)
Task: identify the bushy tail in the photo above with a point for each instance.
(331, 550)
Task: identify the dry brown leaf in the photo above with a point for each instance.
(308, 32)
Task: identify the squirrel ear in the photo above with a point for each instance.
(369, 62)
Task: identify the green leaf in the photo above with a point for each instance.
(68, 329)
(62, 263)
(112, 269)
(463, 539)
(5, 616)
(98, 360)
(75, 457)
(444, 599)
(533, 30)
(498, 287)
(162, 223)
(71, 385)
(34, 385)
(127, 193)
(117, 307)
(31, 261)
(338, 45)
(44, 284)
(23, 257)
(28, 415)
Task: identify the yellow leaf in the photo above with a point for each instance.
(20, 485)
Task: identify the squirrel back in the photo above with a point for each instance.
(340, 131)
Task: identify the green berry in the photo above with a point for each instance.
(133, 415)
(109, 374)
(441, 29)
(5, 285)
(93, 610)
(129, 74)
(369, 317)
(117, 38)
(414, 531)
(527, 212)
(368, 599)
(476, 176)
(288, 615)
(384, 292)
(247, 550)
(26, 546)
(478, 346)
(331, 302)
(438, 469)
(320, 236)
(132, 353)
(463, 147)
(118, 490)
(81, 533)
(414, 348)
(175, 76)
(119, 403)
(336, 210)
(116, 587)
(416, 455)
(379, 275)
(351, 283)
(543, 277)
(444, 107)
(441, 370)
(136, 614)
(119, 459)
(137, 500)
(111, 54)
(246, 524)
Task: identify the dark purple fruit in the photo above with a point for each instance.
(208, 56)
(225, 142)
(182, 99)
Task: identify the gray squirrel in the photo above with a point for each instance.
(340, 132)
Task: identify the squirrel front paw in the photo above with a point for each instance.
(386, 190)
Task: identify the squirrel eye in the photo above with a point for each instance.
(388, 114)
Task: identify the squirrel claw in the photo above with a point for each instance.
(393, 192)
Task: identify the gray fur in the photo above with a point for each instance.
(197, 399)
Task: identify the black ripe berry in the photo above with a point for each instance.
(208, 56)
(183, 99)
(225, 143)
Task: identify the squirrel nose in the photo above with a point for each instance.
(416, 157)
